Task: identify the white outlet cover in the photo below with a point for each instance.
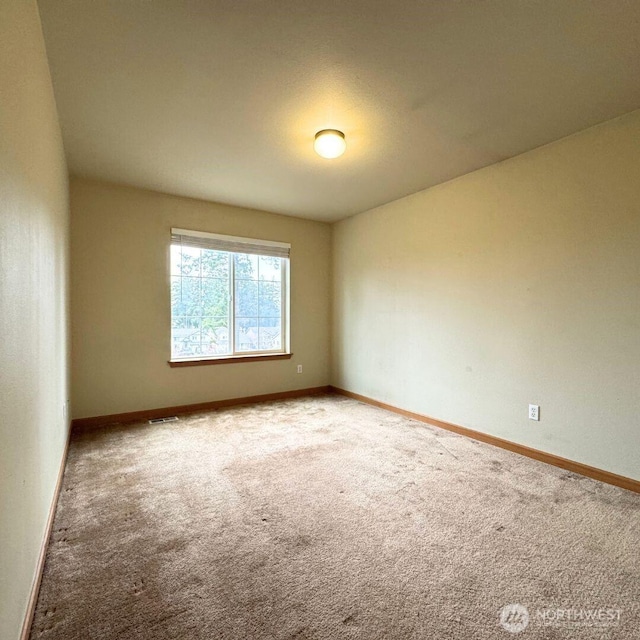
(534, 412)
(299, 368)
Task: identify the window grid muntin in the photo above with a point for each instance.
(282, 284)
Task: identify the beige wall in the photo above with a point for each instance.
(121, 310)
(516, 284)
(33, 304)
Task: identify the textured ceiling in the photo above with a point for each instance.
(220, 99)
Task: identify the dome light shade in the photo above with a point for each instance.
(329, 143)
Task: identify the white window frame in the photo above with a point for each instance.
(239, 242)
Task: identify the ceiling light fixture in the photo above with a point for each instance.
(329, 143)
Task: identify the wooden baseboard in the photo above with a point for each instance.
(35, 587)
(549, 458)
(149, 414)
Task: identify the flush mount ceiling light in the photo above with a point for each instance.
(329, 143)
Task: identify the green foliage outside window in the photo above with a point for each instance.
(201, 294)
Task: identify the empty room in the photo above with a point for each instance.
(319, 320)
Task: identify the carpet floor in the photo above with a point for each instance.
(321, 518)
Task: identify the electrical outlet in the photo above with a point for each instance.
(299, 368)
(534, 412)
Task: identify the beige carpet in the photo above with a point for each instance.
(326, 518)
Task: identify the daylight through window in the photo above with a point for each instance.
(229, 296)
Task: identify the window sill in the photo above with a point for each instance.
(230, 359)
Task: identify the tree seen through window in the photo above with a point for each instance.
(211, 291)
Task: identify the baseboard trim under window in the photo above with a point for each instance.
(150, 414)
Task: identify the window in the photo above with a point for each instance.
(229, 296)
